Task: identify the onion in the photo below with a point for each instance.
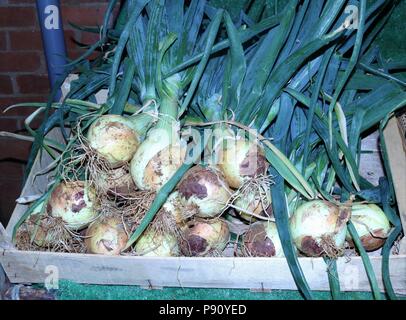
(157, 244)
(372, 226)
(46, 232)
(75, 202)
(262, 240)
(174, 208)
(43, 230)
(319, 228)
(204, 237)
(114, 138)
(251, 203)
(205, 189)
(117, 181)
(241, 159)
(156, 160)
(106, 236)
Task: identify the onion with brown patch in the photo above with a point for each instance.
(203, 237)
(204, 189)
(262, 240)
(156, 160)
(240, 160)
(114, 138)
(106, 236)
(319, 227)
(371, 224)
(75, 202)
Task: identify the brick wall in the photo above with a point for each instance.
(23, 77)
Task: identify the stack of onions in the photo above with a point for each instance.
(371, 224)
(319, 228)
(205, 189)
(106, 236)
(262, 240)
(75, 202)
(204, 237)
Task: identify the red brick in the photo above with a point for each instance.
(3, 40)
(70, 39)
(17, 17)
(13, 149)
(30, 84)
(30, 2)
(82, 2)
(89, 38)
(5, 102)
(6, 86)
(73, 54)
(85, 16)
(19, 61)
(10, 124)
(11, 170)
(10, 190)
(25, 40)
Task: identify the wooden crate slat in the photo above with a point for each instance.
(250, 273)
(396, 149)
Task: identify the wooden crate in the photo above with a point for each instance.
(224, 272)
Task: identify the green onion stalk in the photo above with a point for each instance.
(163, 151)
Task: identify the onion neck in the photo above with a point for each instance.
(168, 107)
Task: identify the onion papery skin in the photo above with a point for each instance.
(251, 203)
(114, 139)
(205, 189)
(156, 160)
(117, 181)
(317, 220)
(241, 159)
(155, 244)
(106, 236)
(204, 237)
(174, 208)
(75, 202)
(43, 238)
(371, 224)
(262, 240)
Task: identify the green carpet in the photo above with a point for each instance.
(73, 291)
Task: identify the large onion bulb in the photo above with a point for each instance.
(203, 237)
(372, 225)
(114, 138)
(156, 160)
(205, 189)
(75, 202)
(262, 240)
(319, 228)
(157, 244)
(106, 236)
(241, 159)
